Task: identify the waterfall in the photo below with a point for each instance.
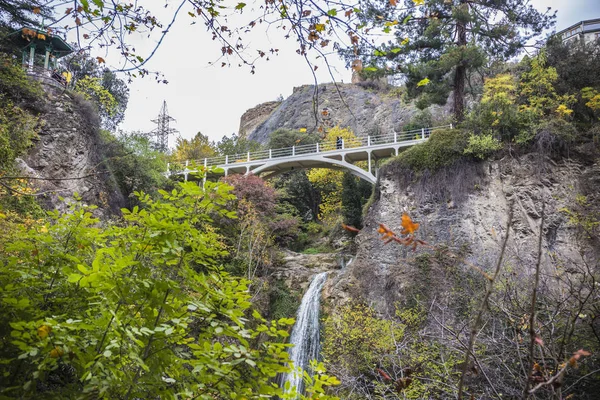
(305, 334)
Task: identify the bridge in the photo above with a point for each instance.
(329, 154)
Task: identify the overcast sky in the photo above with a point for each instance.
(211, 99)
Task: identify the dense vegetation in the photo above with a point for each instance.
(157, 303)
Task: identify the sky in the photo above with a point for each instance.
(210, 99)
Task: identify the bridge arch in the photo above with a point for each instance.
(319, 162)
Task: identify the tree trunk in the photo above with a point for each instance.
(460, 76)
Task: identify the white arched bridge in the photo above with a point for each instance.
(334, 155)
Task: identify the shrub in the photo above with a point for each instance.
(442, 149)
(481, 146)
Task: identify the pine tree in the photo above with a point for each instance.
(438, 42)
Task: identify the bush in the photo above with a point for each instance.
(442, 149)
(133, 164)
(481, 146)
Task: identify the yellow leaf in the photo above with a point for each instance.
(423, 82)
(43, 331)
(419, 2)
(319, 27)
(302, 130)
(405, 42)
(56, 352)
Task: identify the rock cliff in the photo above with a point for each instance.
(68, 156)
(466, 208)
(365, 111)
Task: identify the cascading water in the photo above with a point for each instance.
(305, 334)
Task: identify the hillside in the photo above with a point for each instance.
(367, 109)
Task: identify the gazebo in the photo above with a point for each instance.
(41, 51)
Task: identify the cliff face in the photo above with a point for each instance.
(68, 156)
(255, 116)
(365, 111)
(469, 215)
(463, 213)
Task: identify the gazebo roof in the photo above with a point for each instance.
(26, 36)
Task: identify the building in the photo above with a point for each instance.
(41, 50)
(585, 32)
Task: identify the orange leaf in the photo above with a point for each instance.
(350, 228)
(36, 10)
(409, 226)
(393, 3)
(100, 60)
(384, 374)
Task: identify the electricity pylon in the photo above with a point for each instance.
(163, 130)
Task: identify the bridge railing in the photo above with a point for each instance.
(321, 147)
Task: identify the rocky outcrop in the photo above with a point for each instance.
(255, 116)
(67, 157)
(365, 111)
(471, 222)
(296, 269)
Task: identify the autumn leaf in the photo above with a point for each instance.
(423, 82)
(357, 65)
(350, 228)
(409, 226)
(539, 341)
(56, 352)
(419, 2)
(384, 375)
(100, 60)
(319, 27)
(393, 3)
(36, 10)
(43, 331)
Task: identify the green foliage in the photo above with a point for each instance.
(134, 165)
(92, 89)
(136, 309)
(83, 66)
(442, 149)
(15, 84)
(450, 39)
(355, 193)
(19, 125)
(284, 138)
(539, 95)
(195, 149)
(282, 302)
(497, 113)
(482, 146)
(235, 145)
(355, 338)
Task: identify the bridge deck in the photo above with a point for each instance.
(327, 154)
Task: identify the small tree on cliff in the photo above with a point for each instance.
(439, 41)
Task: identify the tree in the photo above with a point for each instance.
(235, 145)
(195, 149)
(133, 163)
(329, 181)
(438, 42)
(19, 12)
(85, 68)
(134, 309)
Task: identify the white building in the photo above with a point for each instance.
(584, 31)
